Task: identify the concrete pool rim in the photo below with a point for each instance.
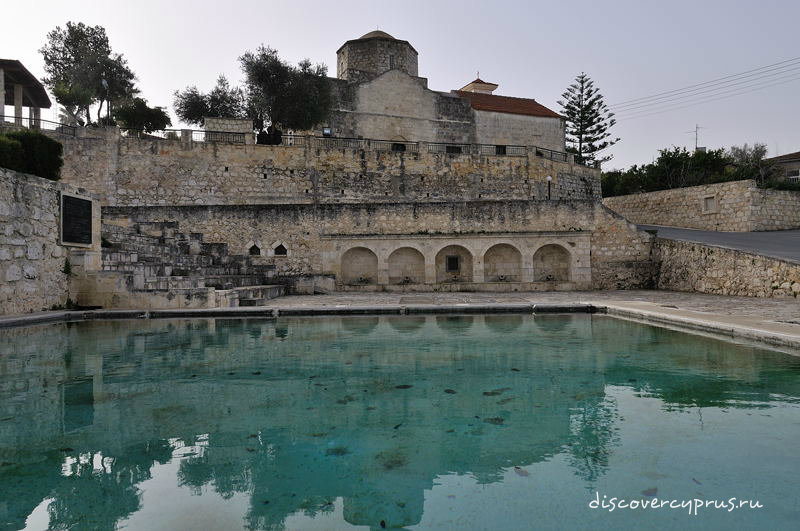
(773, 334)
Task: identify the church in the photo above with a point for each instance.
(380, 95)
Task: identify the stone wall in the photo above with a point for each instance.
(598, 249)
(396, 106)
(32, 255)
(375, 56)
(733, 206)
(519, 130)
(694, 267)
(130, 171)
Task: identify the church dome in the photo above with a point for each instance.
(377, 34)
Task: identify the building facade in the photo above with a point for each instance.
(380, 95)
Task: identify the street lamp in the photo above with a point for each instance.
(549, 181)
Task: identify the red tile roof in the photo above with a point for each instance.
(482, 82)
(786, 157)
(507, 104)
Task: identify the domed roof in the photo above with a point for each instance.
(377, 34)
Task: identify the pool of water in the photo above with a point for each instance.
(431, 422)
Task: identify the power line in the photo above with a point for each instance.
(682, 89)
(709, 100)
(755, 85)
(698, 92)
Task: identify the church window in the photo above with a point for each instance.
(254, 250)
(280, 250)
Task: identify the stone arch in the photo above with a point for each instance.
(406, 266)
(502, 263)
(551, 262)
(279, 248)
(450, 256)
(359, 266)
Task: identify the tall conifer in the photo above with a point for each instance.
(588, 121)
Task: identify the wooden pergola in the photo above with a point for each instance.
(21, 89)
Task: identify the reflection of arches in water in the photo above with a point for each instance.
(454, 264)
(551, 263)
(503, 324)
(454, 324)
(406, 266)
(502, 263)
(359, 266)
(406, 325)
(553, 323)
(281, 330)
(360, 325)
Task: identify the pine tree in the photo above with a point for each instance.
(588, 121)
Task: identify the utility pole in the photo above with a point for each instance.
(695, 131)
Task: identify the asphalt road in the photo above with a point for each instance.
(778, 244)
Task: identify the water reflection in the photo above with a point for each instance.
(296, 414)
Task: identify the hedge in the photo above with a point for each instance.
(31, 152)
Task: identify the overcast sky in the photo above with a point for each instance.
(632, 49)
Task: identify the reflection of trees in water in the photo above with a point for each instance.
(593, 438)
(111, 492)
(158, 354)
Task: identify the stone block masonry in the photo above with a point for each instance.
(136, 172)
(32, 255)
(738, 206)
(502, 245)
(694, 267)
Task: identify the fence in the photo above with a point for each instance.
(11, 123)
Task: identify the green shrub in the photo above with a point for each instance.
(776, 184)
(38, 154)
(10, 153)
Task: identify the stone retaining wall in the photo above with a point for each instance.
(733, 206)
(142, 172)
(694, 267)
(32, 256)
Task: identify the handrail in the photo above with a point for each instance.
(36, 123)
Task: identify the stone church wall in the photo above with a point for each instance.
(395, 106)
(519, 130)
(131, 172)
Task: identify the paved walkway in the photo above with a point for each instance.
(786, 310)
(784, 244)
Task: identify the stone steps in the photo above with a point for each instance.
(161, 260)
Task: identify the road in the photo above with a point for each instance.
(783, 244)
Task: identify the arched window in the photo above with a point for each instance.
(255, 251)
(280, 250)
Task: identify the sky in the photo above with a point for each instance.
(631, 49)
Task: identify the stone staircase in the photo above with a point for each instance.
(178, 270)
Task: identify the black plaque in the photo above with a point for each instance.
(76, 220)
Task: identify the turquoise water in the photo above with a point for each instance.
(435, 422)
